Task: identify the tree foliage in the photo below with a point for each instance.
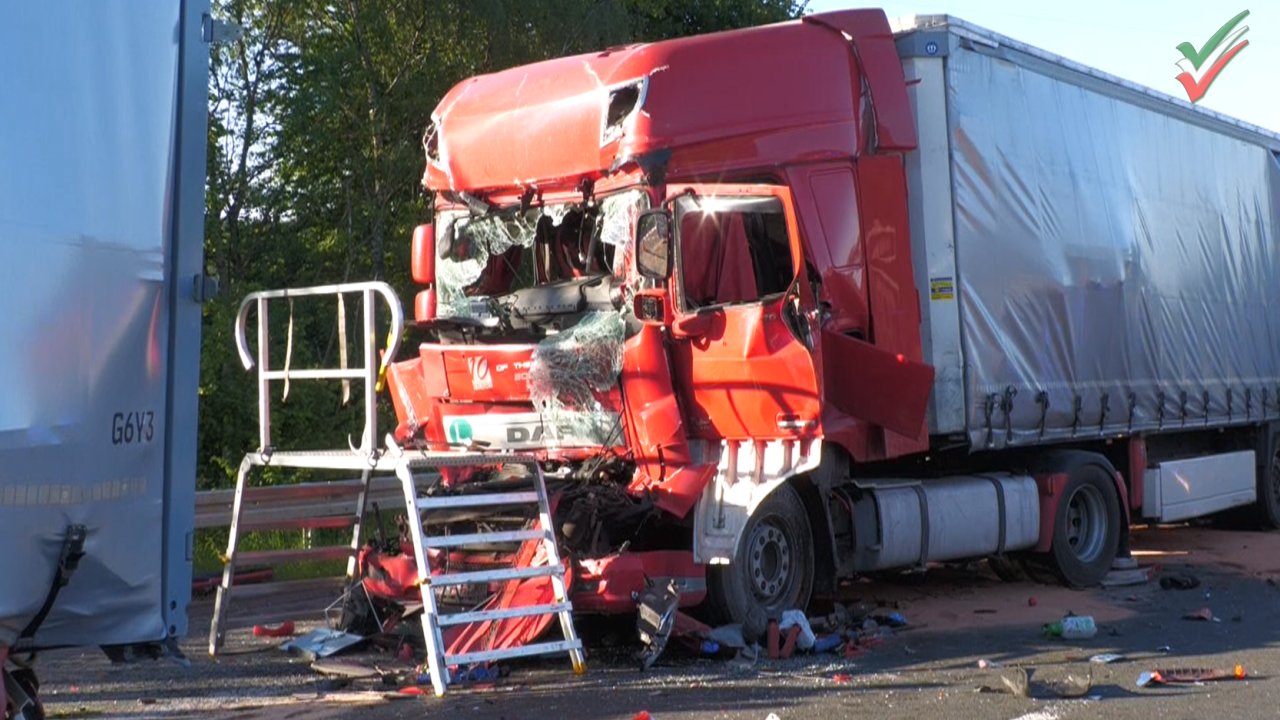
(315, 124)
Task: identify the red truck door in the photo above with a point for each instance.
(745, 327)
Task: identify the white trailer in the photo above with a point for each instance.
(103, 130)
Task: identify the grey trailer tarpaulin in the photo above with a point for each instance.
(102, 144)
(1108, 261)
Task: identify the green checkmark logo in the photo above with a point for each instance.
(1197, 57)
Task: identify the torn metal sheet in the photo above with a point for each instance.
(322, 643)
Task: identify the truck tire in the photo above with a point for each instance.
(1268, 505)
(772, 570)
(1086, 530)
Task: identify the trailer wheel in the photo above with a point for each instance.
(772, 570)
(1086, 530)
(1268, 507)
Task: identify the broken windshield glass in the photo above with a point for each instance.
(487, 263)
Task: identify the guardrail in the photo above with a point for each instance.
(276, 502)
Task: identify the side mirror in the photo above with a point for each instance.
(424, 255)
(653, 244)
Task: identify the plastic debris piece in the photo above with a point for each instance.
(642, 715)
(842, 678)
(655, 619)
(321, 643)
(1072, 627)
(1179, 582)
(284, 629)
(1074, 683)
(1204, 613)
(828, 643)
(728, 636)
(985, 664)
(1166, 649)
(772, 716)
(1190, 675)
(893, 620)
(1016, 681)
(412, 690)
(796, 618)
(1106, 658)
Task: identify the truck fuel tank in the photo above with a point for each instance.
(899, 523)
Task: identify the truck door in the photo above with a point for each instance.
(744, 329)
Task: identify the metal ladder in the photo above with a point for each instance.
(367, 459)
(438, 660)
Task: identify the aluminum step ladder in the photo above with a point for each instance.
(257, 508)
(438, 660)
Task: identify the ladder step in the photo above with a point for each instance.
(310, 587)
(463, 501)
(488, 576)
(308, 523)
(543, 648)
(463, 618)
(443, 541)
(275, 557)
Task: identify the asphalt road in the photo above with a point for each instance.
(930, 669)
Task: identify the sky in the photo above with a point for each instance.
(1132, 39)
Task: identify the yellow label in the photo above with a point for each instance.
(942, 288)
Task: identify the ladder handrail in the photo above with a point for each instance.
(371, 372)
(393, 303)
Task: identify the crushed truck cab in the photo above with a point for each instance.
(795, 302)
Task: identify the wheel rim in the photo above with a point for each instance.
(1275, 481)
(1086, 519)
(769, 562)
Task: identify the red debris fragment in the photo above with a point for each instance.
(284, 629)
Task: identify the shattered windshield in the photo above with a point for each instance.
(489, 266)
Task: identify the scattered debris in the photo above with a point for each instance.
(828, 643)
(1204, 613)
(730, 636)
(1072, 684)
(1123, 578)
(893, 619)
(1016, 682)
(842, 678)
(985, 664)
(655, 618)
(1179, 582)
(284, 629)
(1164, 649)
(1024, 682)
(321, 643)
(1190, 675)
(346, 669)
(1071, 627)
(1106, 658)
(796, 618)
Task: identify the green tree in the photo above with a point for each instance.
(315, 125)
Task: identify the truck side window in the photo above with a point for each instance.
(732, 250)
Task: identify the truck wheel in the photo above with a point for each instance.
(773, 568)
(1086, 531)
(1268, 507)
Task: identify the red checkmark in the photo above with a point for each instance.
(1196, 90)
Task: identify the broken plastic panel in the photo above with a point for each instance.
(568, 368)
